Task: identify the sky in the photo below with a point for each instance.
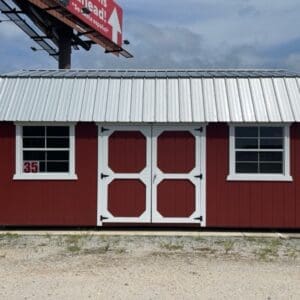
(182, 34)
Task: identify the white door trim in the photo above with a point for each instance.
(158, 176)
(144, 176)
(151, 156)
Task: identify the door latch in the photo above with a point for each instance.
(199, 218)
(199, 176)
(104, 129)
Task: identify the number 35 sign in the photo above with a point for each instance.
(31, 167)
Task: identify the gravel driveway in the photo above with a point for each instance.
(149, 267)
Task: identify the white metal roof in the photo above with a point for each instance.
(150, 96)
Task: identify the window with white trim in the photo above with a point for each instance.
(259, 153)
(45, 152)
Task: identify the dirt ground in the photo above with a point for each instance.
(148, 267)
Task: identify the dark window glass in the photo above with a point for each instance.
(58, 167)
(56, 137)
(42, 167)
(246, 156)
(247, 168)
(58, 131)
(271, 143)
(33, 143)
(271, 156)
(58, 142)
(34, 131)
(271, 168)
(246, 131)
(260, 161)
(34, 155)
(241, 143)
(58, 155)
(271, 131)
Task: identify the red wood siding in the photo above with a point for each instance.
(53, 203)
(249, 204)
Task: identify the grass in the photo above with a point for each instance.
(228, 245)
(97, 250)
(120, 250)
(73, 248)
(269, 250)
(74, 238)
(9, 236)
(48, 236)
(204, 251)
(74, 243)
(199, 238)
(78, 243)
(171, 246)
(261, 249)
(293, 254)
(257, 240)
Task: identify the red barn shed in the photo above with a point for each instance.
(190, 147)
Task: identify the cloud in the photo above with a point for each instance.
(292, 62)
(185, 34)
(155, 47)
(248, 11)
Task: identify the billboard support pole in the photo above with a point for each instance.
(64, 46)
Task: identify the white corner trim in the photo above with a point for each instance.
(259, 177)
(46, 176)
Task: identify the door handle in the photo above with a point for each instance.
(154, 178)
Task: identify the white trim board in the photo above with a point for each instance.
(150, 131)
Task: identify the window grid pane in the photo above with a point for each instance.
(51, 153)
(261, 154)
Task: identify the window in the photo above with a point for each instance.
(259, 153)
(45, 152)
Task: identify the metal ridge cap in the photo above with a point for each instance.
(144, 73)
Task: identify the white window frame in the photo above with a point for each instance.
(20, 175)
(285, 176)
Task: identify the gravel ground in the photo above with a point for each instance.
(149, 267)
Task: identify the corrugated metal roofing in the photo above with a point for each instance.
(213, 73)
(150, 96)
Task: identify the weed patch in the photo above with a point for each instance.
(205, 250)
(171, 246)
(9, 236)
(73, 248)
(73, 243)
(228, 246)
(269, 250)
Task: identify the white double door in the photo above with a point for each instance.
(151, 174)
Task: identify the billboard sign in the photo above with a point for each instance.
(104, 16)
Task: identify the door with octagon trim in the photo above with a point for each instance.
(151, 174)
(177, 175)
(124, 174)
